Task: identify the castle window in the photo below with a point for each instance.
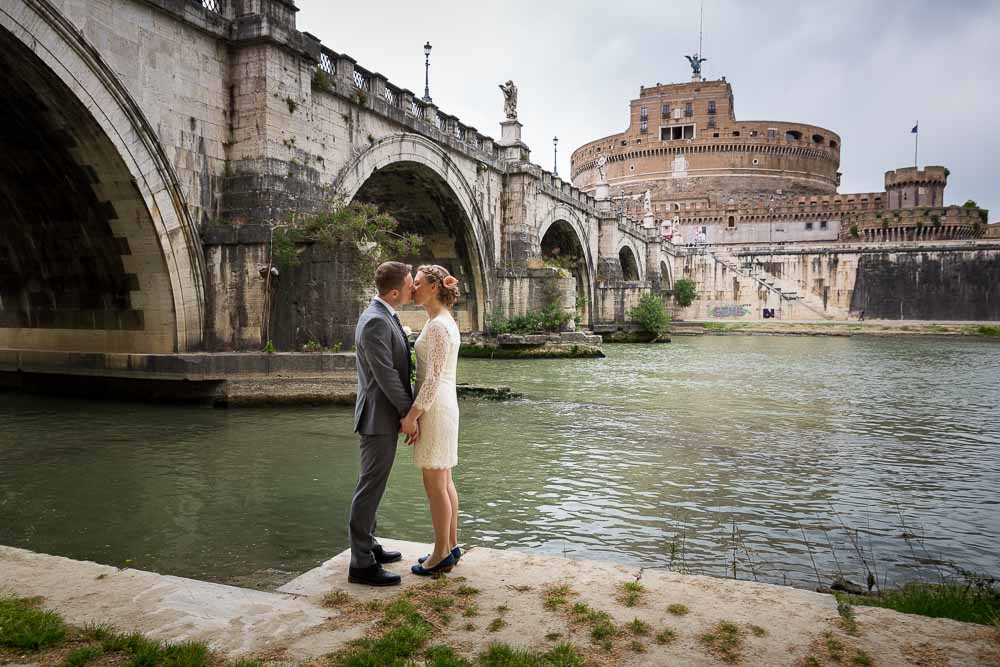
(666, 111)
(677, 113)
(817, 138)
(772, 133)
(793, 135)
(711, 107)
(711, 122)
(688, 109)
(715, 135)
(643, 114)
(822, 224)
(833, 144)
(732, 222)
(809, 226)
(677, 132)
(643, 126)
(736, 133)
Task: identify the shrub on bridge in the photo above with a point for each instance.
(684, 292)
(552, 318)
(356, 225)
(651, 314)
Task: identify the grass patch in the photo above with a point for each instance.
(440, 604)
(555, 597)
(469, 627)
(847, 619)
(631, 593)
(496, 625)
(861, 658)
(336, 599)
(502, 609)
(466, 591)
(552, 636)
(471, 611)
(988, 331)
(638, 627)
(725, 641)
(444, 656)
(502, 655)
(636, 646)
(407, 633)
(678, 609)
(81, 656)
(23, 625)
(834, 647)
(972, 602)
(666, 636)
(757, 631)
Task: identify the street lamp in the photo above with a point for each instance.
(427, 70)
(555, 155)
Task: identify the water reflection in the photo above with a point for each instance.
(658, 455)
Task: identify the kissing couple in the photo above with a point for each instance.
(387, 405)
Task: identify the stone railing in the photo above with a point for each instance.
(350, 78)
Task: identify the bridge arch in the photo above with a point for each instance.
(563, 234)
(99, 249)
(666, 275)
(416, 181)
(628, 257)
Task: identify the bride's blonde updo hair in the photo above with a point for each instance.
(447, 292)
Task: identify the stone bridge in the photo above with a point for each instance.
(151, 145)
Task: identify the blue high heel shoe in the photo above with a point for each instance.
(456, 552)
(445, 565)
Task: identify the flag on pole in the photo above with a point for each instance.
(914, 130)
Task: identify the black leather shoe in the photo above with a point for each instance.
(372, 576)
(383, 556)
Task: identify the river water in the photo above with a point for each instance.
(797, 458)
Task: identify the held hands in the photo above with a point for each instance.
(411, 427)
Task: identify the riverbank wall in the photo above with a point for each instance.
(956, 280)
(528, 601)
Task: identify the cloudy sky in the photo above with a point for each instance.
(866, 70)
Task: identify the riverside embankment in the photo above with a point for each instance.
(608, 614)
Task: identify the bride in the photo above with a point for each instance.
(435, 410)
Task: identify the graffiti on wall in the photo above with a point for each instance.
(719, 312)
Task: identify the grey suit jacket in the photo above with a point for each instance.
(383, 359)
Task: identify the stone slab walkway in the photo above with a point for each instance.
(778, 625)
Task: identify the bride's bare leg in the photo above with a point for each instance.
(436, 486)
(453, 497)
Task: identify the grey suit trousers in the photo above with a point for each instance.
(377, 455)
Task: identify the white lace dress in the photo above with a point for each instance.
(437, 358)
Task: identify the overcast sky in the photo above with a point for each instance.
(866, 70)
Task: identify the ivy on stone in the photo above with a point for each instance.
(357, 226)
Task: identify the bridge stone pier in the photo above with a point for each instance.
(152, 145)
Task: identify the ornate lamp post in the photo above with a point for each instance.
(427, 71)
(555, 156)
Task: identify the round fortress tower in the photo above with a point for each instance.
(684, 144)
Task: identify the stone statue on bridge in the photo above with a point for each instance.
(602, 168)
(509, 99)
(647, 202)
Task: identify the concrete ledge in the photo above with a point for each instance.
(216, 366)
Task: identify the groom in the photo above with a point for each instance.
(384, 397)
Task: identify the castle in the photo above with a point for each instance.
(701, 175)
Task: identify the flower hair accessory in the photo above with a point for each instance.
(450, 281)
